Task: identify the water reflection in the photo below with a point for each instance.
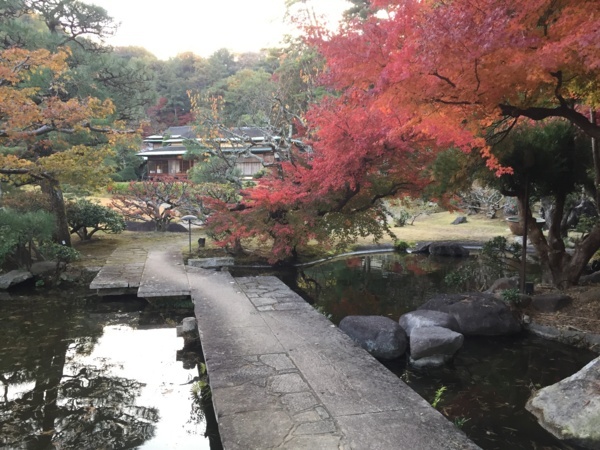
(70, 381)
(386, 284)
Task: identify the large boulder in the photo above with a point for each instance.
(433, 346)
(140, 226)
(427, 318)
(44, 269)
(422, 247)
(381, 336)
(570, 409)
(447, 249)
(176, 228)
(13, 278)
(551, 302)
(476, 313)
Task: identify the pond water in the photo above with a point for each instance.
(490, 380)
(80, 373)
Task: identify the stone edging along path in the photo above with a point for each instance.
(576, 338)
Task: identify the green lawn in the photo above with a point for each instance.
(438, 227)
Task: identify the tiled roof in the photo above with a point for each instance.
(173, 150)
(185, 132)
(251, 132)
(164, 151)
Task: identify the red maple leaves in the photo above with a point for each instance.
(412, 81)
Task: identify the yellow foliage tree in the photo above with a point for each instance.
(37, 118)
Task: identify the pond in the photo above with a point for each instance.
(79, 373)
(485, 390)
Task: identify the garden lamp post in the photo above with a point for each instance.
(189, 220)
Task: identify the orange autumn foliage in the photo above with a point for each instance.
(462, 66)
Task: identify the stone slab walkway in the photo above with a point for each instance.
(164, 275)
(122, 271)
(283, 376)
(149, 273)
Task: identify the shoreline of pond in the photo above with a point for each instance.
(78, 278)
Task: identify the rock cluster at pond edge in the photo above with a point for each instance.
(433, 337)
(570, 409)
(477, 314)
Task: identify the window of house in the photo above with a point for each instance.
(157, 166)
(249, 168)
(174, 166)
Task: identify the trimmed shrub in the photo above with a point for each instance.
(86, 218)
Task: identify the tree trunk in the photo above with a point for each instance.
(51, 188)
(162, 224)
(564, 267)
(236, 249)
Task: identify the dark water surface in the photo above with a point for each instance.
(78, 373)
(491, 379)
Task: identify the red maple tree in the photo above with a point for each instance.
(468, 65)
(415, 78)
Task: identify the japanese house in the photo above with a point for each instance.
(165, 154)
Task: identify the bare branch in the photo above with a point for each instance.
(443, 78)
(45, 129)
(35, 176)
(540, 113)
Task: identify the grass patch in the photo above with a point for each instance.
(438, 227)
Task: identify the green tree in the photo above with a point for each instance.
(22, 236)
(553, 159)
(34, 122)
(73, 20)
(173, 80)
(57, 123)
(215, 170)
(247, 98)
(218, 66)
(93, 70)
(87, 218)
(297, 80)
(27, 24)
(128, 81)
